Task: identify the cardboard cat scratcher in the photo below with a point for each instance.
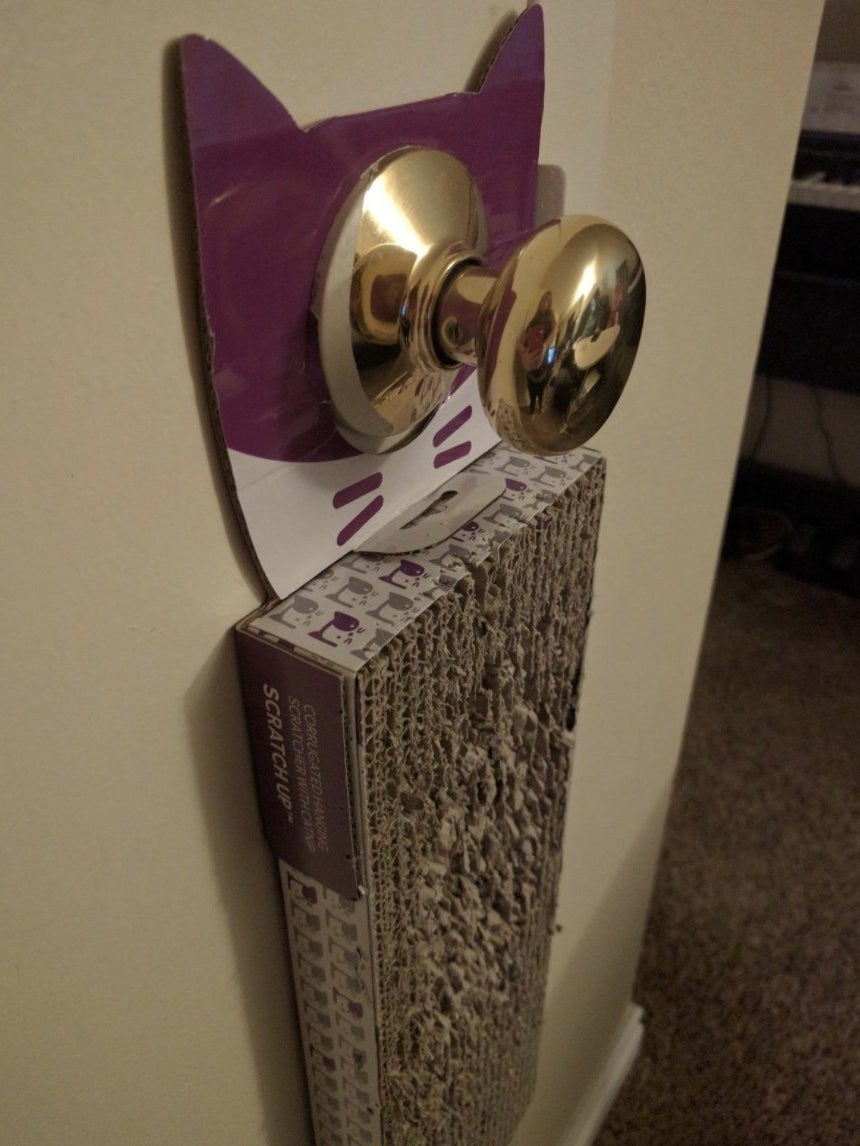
(410, 712)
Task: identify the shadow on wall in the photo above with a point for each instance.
(244, 869)
(180, 206)
(570, 1060)
(250, 894)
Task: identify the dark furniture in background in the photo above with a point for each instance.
(812, 330)
(812, 335)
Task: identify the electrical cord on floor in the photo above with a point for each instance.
(764, 424)
(829, 444)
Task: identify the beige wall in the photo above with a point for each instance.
(145, 995)
(704, 109)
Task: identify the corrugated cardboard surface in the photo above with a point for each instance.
(422, 991)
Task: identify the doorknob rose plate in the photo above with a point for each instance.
(412, 220)
(405, 299)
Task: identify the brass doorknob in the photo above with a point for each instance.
(405, 299)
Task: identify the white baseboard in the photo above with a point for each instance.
(603, 1091)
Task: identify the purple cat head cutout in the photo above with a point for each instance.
(266, 193)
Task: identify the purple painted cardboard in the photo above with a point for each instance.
(266, 193)
(296, 714)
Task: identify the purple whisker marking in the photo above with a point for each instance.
(462, 377)
(359, 520)
(452, 455)
(452, 426)
(357, 489)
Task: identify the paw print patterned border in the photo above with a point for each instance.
(330, 948)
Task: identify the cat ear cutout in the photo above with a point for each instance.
(224, 101)
(521, 52)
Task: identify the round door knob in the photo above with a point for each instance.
(406, 299)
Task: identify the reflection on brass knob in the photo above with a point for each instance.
(405, 299)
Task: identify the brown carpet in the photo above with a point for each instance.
(749, 973)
